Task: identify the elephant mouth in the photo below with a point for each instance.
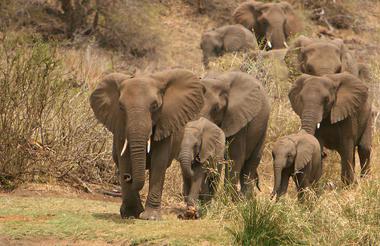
(126, 144)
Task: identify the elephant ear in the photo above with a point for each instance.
(305, 149)
(213, 140)
(246, 14)
(293, 23)
(246, 97)
(348, 63)
(233, 38)
(294, 57)
(294, 92)
(104, 101)
(182, 100)
(351, 94)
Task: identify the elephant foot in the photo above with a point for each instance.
(151, 214)
(191, 213)
(130, 212)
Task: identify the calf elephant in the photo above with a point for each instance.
(320, 57)
(226, 39)
(337, 110)
(297, 155)
(239, 105)
(273, 23)
(202, 140)
(154, 107)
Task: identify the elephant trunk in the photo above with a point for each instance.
(277, 182)
(138, 133)
(276, 38)
(185, 158)
(205, 60)
(310, 119)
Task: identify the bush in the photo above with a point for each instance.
(131, 27)
(31, 89)
(47, 128)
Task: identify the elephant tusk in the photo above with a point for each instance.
(269, 44)
(148, 147)
(124, 147)
(318, 125)
(286, 45)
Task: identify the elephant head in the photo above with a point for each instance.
(229, 99)
(227, 38)
(136, 109)
(201, 139)
(319, 57)
(291, 154)
(330, 98)
(273, 23)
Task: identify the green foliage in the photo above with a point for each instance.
(32, 90)
(262, 223)
(46, 126)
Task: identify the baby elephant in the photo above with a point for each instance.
(226, 39)
(297, 155)
(202, 141)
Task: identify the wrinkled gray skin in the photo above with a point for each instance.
(239, 105)
(154, 107)
(297, 155)
(226, 39)
(202, 140)
(320, 57)
(274, 58)
(273, 23)
(339, 105)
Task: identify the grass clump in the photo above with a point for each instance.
(262, 223)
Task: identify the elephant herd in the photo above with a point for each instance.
(173, 114)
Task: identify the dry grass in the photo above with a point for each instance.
(82, 147)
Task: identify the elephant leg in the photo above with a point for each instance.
(347, 153)
(131, 203)
(237, 155)
(301, 183)
(131, 206)
(364, 150)
(249, 173)
(159, 163)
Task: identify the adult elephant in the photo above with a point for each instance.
(337, 110)
(273, 23)
(239, 105)
(154, 107)
(320, 57)
(228, 38)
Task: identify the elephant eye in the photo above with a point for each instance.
(339, 69)
(154, 106)
(309, 70)
(325, 99)
(121, 106)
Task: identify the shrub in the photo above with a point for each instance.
(32, 90)
(47, 128)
